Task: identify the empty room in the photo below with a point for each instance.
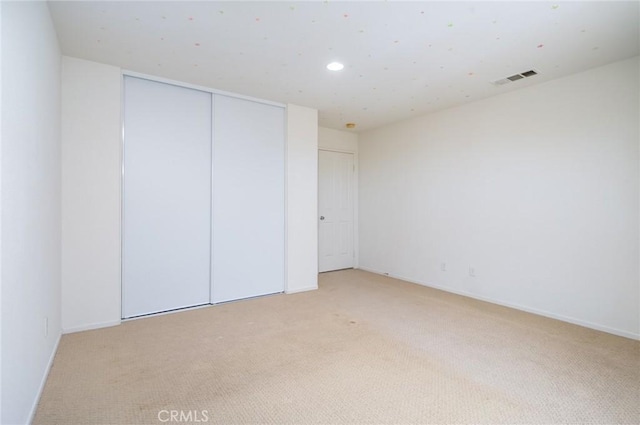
(319, 212)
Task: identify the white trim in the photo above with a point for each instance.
(163, 313)
(320, 148)
(121, 197)
(538, 312)
(286, 200)
(2, 115)
(211, 195)
(201, 88)
(91, 326)
(45, 376)
(305, 289)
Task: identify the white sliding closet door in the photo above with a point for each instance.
(166, 196)
(248, 199)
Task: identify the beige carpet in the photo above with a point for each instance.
(362, 349)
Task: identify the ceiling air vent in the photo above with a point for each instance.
(514, 77)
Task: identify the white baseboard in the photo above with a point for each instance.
(90, 326)
(34, 407)
(520, 307)
(304, 289)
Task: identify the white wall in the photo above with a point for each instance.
(302, 199)
(91, 149)
(337, 140)
(30, 204)
(91, 173)
(537, 190)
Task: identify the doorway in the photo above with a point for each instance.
(336, 171)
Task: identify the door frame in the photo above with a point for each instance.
(356, 242)
(128, 73)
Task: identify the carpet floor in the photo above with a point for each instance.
(362, 349)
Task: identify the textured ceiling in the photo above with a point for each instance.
(402, 59)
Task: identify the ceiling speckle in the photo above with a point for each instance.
(278, 50)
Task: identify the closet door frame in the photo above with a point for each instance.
(166, 198)
(213, 92)
(248, 216)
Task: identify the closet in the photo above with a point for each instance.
(203, 197)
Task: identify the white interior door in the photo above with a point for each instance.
(166, 197)
(335, 205)
(248, 199)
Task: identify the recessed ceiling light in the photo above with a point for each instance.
(335, 66)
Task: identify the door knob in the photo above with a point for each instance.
(321, 217)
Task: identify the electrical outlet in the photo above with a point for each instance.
(472, 272)
(443, 267)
